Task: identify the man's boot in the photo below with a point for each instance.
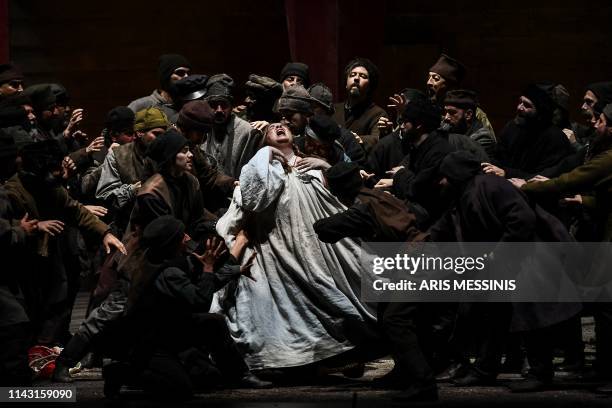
(69, 357)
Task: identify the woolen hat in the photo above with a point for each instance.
(220, 86)
(298, 69)
(322, 95)
(462, 99)
(263, 87)
(163, 235)
(422, 112)
(460, 166)
(42, 97)
(343, 179)
(150, 118)
(166, 146)
(449, 69)
(120, 119)
(168, 63)
(9, 72)
(325, 128)
(195, 115)
(295, 99)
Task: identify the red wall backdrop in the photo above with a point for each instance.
(105, 53)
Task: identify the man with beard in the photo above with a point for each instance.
(418, 182)
(489, 209)
(124, 167)
(596, 96)
(171, 68)
(36, 190)
(460, 117)
(359, 113)
(445, 75)
(530, 144)
(373, 215)
(232, 141)
(194, 122)
(322, 104)
(294, 73)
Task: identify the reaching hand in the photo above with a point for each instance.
(260, 125)
(384, 125)
(489, 168)
(575, 200)
(68, 167)
(365, 175)
(51, 227)
(397, 102)
(245, 270)
(357, 138)
(538, 179)
(75, 119)
(110, 240)
(517, 182)
(276, 154)
(215, 249)
(97, 210)
(393, 170)
(28, 226)
(311, 163)
(96, 145)
(384, 183)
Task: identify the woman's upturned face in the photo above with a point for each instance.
(278, 135)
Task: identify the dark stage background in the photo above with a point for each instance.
(105, 52)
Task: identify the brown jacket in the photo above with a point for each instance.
(361, 120)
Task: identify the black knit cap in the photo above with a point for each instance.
(603, 92)
(61, 94)
(325, 128)
(120, 119)
(42, 97)
(412, 94)
(373, 72)
(422, 112)
(191, 87)
(41, 157)
(462, 99)
(344, 179)
(9, 72)
(542, 101)
(166, 146)
(195, 115)
(298, 69)
(162, 236)
(460, 166)
(166, 66)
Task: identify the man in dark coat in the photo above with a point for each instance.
(359, 113)
(377, 216)
(530, 144)
(323, 105)
(490, 209)
(418, 182)
(170, 315)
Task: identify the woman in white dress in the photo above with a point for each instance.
(305, 303)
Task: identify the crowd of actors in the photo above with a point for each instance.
(205, 207)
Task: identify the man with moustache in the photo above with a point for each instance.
(232, 141)
(530, 144)
(359, 113)
(460, 108)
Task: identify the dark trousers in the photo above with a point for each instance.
(603, 339)
(15, 340)
(400, 324)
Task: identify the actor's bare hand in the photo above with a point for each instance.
(51, 227)
(97, 210)
(397, 103)
(365, 175)
(260, 125)
(384, 183)
(393, 170)
(68, 167)
(75, 119)
(28, 226)
(109, 241)
(538, 179)
(571, 136)
(215, 249)
(575, 200)
(384, 125)
(489, 168)
(357, 138)
(311, 163)
(96, 145)
(517, 182)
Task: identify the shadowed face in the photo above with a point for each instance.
(182, 161)
(358, 82)
(436, 86)
(278, 135)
